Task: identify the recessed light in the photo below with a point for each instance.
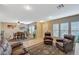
(41, 21)
(27, 7)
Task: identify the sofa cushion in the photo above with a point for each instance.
(18, 51)
(14, 45)
(60, 43)
(47, 40)
(70, 37)
(68, 41)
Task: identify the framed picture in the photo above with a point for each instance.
(11, 26)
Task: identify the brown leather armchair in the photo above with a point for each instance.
(66, 44)
(48, 39)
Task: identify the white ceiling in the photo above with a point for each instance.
(15, 12)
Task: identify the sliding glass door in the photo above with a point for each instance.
(60, 30)
(75, 29)
(63, 29)
(56, 30)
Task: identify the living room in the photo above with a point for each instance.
(25, 29)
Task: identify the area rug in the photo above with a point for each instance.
(42, 49)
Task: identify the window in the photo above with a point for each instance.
(63, 29)
(56, 30)
(75, 29)
(32, 30)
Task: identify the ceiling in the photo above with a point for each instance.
(15, 12)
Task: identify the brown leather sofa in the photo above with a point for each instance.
(18, 49)
(66, 44)
(48, 39)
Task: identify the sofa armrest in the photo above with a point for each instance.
(14, 45)
(59, 40)
(68, 46)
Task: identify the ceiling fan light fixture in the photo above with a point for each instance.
(18, 23)
(60, 6)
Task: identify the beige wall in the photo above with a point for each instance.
(46, 26)
(0, 26)
(39, 30)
